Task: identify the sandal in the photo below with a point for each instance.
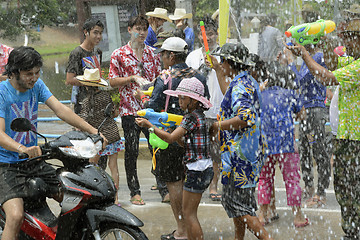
(154, 188)
(135, 201)
(215, 196)
(171, 236)
(300, 225)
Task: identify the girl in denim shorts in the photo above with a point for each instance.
(194, 136)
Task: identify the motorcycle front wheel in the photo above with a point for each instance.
(117, 231)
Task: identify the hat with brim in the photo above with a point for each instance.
(159, 13)
(173, 44)
(236, 52)
(352, 29)
(161, 37)
(180, 13)
(92, 78)
(193, 88)
(354, 9)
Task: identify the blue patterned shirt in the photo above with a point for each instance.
(242, 151)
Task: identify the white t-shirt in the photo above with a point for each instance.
(195, 59)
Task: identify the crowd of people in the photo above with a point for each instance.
(238, 109)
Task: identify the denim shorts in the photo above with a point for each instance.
(198, 181)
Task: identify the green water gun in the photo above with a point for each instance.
(310, 33)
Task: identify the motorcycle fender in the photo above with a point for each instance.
(111, 213)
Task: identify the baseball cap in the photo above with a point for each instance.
(173, 44)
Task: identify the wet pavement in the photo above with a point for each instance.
(158, 218)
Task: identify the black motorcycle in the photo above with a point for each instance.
(87, 209)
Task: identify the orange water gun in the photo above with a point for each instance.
(206, 46)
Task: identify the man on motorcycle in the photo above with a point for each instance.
(19, 97)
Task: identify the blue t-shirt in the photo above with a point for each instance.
(151, 38)
(15, 104)
(189, 38)
(278, 106)
(313, 93)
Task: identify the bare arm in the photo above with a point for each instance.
(69, 116)
(326, 77)
(10, 144)
(176, 135)
(234, 123)
(224, 84)
(71, 80)
(302, 114)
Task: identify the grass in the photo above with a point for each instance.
(56, 49)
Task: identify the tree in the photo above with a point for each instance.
(22, 16)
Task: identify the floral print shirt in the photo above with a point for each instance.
(4, 55)
(124, 63)
(242, 151)
(349, 101)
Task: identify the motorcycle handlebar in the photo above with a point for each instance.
(44, 150)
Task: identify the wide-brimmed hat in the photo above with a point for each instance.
(161, 37)
(354, 9)
(193, 88)
(92, 78)
(180, 13)
(159, 13)
(173, 44)
(353, 25)
(236, 52)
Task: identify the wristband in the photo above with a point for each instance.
(19, 147)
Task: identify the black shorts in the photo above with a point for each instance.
(238, 202)
(169, 164)
(14, 176)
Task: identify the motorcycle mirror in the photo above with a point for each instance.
(23, 125)
(20, 125)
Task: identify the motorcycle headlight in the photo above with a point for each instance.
(82, 148)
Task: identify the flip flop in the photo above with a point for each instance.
(275, 217)
(171, 236)
(154, 187)
(300, 225)
(137, 201)
(215, 196)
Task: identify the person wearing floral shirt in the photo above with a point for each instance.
(242, 143)
(347, 142)
(4, 55)
(130, 66)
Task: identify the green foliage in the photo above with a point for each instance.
(205, 7)
(23, 16)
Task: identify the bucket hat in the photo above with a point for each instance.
(193, 88)
(161, 37)
(173, 44)
(159, 13)
(236, 52)
(180, 13)
(91, 77)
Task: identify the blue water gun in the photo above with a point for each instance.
(160, 119)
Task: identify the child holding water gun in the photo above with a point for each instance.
(193, 134)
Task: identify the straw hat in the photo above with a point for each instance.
(180, 13)
(354, 9)
(159, 13)
(193, 88)
(353, 26)
(92, 78)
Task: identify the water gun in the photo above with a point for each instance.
(310, 33)
(206, 46)
(160, 119)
